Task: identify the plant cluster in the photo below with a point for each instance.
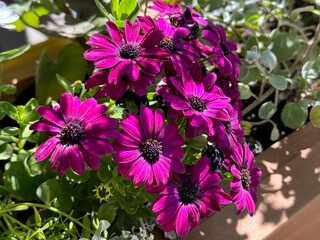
(143, 118)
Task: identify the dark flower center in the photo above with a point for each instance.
(227, 125)
(216, 157)
(197, 104)
(245, 178)
(189, 192)
(167, 43)
(194, 31)
(129, 51)
(71, 133)
(225, 49)
(150, 149)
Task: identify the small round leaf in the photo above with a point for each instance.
(267, 110)
(293, 115)
(279, 82)
(315, 116)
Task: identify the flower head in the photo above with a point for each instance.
(148, 151)
(192, 196)
(246, 179)
(7, 16)
(226, 60)
(132, 58)
(80, 133)
(199, 106)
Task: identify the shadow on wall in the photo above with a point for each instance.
(291, 176)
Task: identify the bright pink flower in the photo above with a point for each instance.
(190, 99)
(182, 53)
(148, 152)
(226, 60)
(80, 134)
(133, 59)
(227, 133)
(246, 179)
(192, 196)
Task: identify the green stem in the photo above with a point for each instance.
(54, 210)
(207, 58)
(18, 222)
(255, 103)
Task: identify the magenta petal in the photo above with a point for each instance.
(131, 31)
(45, 126)
(45, 149)
(97, 78)
(107, 62)
(100, 40)
(51, 115)
(147, 121)
(143, 174)
(115, 33)
(183, 224)
(92, 161)
(126, 156)
(161, 171)
(131, 125)
(96, 147)
(75, 159)
(66, 106)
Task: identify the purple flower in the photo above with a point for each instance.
(226, 60)
(191, 99)
(148, 152)
(133, 59)
(182, 53)
(192, 196)
(246, 179)
(227, 133)
(79, 131)
(164, 8)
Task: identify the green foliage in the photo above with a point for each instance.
(70, 65)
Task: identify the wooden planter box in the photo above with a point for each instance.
(289, 195)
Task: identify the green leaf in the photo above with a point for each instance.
(315, 116)
(103, 10)
(114, 5)
(5, 151)
(107, 212)
(8, 109)
(268, 60)
(293, 115)
(128, 8)
(245, 91)
(33, 167)
(118, 185)
(52, 190)
(64, 83)
(252, 55)
(295, 13)
(267, 110)
(279, 82)
(31, 19)
(70, 64)
(131, 205)
(11, 131)
(8, 89)
(76, 178)
(20, 184)
(250, 42)
(198, 142)
(285, 46)
(274, 133)
(7, 55)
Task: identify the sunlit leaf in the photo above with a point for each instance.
(267, 110)
(315, 116)
(293, 115)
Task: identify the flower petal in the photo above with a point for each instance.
(45, 149)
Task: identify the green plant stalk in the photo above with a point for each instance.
(51, 209)
(207, 58)
(255, 103)
(19, 223)
(294, 69)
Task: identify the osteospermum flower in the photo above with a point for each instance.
(192, 196)
(225, 59)
(148, 151)
(182, 53)
(132, 58)
(80, 133)
(227, 133)
(246, 179)
(199, 106)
